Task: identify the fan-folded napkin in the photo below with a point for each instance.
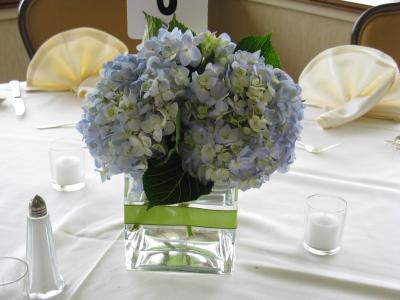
(71, 60)
(349, 82)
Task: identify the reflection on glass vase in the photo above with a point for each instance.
(197, 236)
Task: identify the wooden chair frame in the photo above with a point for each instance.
(369, 14)
(33, 38)
(22, 12)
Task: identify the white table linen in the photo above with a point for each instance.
(270, 262)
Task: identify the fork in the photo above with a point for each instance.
(60, 125)
(315, 150)
(395, 141)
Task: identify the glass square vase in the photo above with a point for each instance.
(196, 236)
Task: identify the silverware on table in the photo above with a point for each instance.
(58, 125)
(395, 142)
(16, 99)
(315, 150)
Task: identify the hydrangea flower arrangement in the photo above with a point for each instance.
(190, 110)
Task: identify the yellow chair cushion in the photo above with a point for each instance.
(380, 32)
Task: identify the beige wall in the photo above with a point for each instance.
(300, 31)
(13, 57)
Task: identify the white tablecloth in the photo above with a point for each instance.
(270, 262)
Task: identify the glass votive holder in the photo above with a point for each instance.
(13, 278)
(324, 220)
(67, 164)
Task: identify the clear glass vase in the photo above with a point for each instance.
(197, 236)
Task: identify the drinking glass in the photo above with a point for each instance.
(324, 220)
(13, 278)
(67, 164)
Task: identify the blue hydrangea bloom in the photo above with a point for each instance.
(240, 117)
(248, 123)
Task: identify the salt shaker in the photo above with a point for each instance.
(45, 280)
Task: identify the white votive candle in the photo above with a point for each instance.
(323, 232)
(67, 170)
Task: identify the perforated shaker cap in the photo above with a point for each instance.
(37, 207)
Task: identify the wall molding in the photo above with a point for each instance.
(4, 4)
(337, 14)
(8, 14)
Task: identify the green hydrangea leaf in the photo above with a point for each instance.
(152, 25)
(270, 55)
(175, 23)
(262, 43)
(170, 184)
(164, 160)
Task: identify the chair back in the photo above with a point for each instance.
(38, 20)
(379, 27)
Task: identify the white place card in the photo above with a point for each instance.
(192, 13)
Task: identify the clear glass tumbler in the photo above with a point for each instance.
(324, 220)
(67, 164)
(13, 278)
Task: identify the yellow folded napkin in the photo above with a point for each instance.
(71, 60)
(349, 82)
(389, 106)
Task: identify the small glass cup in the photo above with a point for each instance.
(13, 278)
(67, 164)
(324, 220)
